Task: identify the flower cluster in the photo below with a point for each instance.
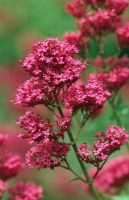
(89, 97)
(49, 151)
(47, 155)
(106, 144)
(103, 18)
(74, 38)
(113, 176)
(10, 165)
(53, 67)
(113, 80)
(123, 35)
(25, 191)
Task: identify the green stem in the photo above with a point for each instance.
(84, 169)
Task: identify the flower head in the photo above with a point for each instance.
(106, 144)
(91, 97)
(123, 35)
(47, 155)
(53, 61)
(10, 165)
(25, 191)
(113, 176)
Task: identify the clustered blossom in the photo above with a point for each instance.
(33, 92)
(123, 35)
(74, 38)
(106, 144)
(47, 155)
(100, 22)
(10, 165)
(113, 80)
(77, 8)
(105, 16)
(113, 176)
(48, 151)
(36, 128)
(89, 97)
(53, 61)
(25, 191)
(53, 67)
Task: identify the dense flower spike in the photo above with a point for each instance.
(123, 35)
(113, 80)
(10, 165)
(53, 61)
(2, 187)
(113, 176)
(25, 191)
(47, 155)
(36, 128)
(90, 97)
(106, 144)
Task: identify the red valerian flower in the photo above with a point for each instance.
(113, 176)
(74, 38)
(36, 128)
(102, 21)
(25, 191)
(10, 165)
(77, 8)
(123, 35)
(90, 97)
(106, 144)
(47, 155)
(118, 5)
(113, 80)
(54, 62)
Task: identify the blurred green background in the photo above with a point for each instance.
(22, 22)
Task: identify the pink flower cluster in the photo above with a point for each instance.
(74, 38)
(25, 191)
(106, 144)
(49, 151)
(101, 22)
(10, 165)
(104, 18)
(53, 66)
(123, 35)
(47, 155)
(90, 97)
(113, 176)
(113, 80)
